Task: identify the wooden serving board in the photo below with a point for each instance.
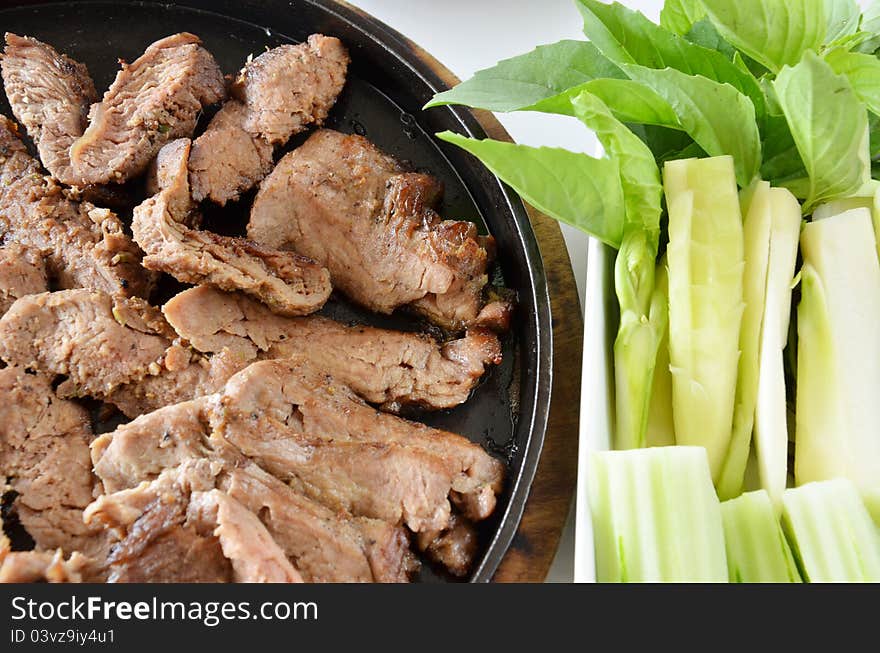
(534, 546)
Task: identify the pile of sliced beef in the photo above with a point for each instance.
(229, 433)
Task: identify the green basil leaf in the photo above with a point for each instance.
(679, 16)
(772, 32)
(863, 73)
(519, 82)
(719, 118)
(841, 19)
(639, 175)
(627, 37)
(573, 188)
(829, 125)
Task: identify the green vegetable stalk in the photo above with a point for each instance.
(643, 311)
(642, 308)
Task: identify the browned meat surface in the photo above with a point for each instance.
(179, 528)
(168, 173)
(22, 272)
(255, 556)
(50, 94)
(275, 408)
(158, 543)
(324, 545)
(384, 367)
(291, 87)
(83, 246)
(288, 283)
(44, 458)
(342, 202)
(226, 159)
(281, 93)
(454, 548)
(44, 567)
(76, 334)
(165, 438)
(153, 100)
(177, 381)
(319, 438)
(117, 350)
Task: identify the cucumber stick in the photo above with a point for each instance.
(757, 551)
(757, 219)
(771, 424)
(870, 201)
(705, 256)
(831, 533)
(656, 516)
(772, 229)
(837, 420)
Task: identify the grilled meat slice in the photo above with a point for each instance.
(355, 460)
(291, 87)
(44, 458)
(352, 208)
(153, 100)
(226, 159)
(385, 367)
(117, 350)
(178, 528)
(323, 544)
(76, 333)
(83, 246)
(50, 94)
(289, 284)
(275, 409)
(281, 92)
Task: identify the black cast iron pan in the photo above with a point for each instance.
(389, 82)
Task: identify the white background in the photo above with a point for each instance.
(468, 35)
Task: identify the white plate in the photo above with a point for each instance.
(597, 392)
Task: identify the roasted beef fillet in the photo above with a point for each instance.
(347, 205)
(155, 99)
(286, 282)
(83, 246)
(44, 459)
(385, 367)
(179, 528)
(280, 93)
(50, 94)
(324, 545)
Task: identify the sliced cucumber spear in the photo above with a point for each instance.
(838, 372)
(705, 300)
